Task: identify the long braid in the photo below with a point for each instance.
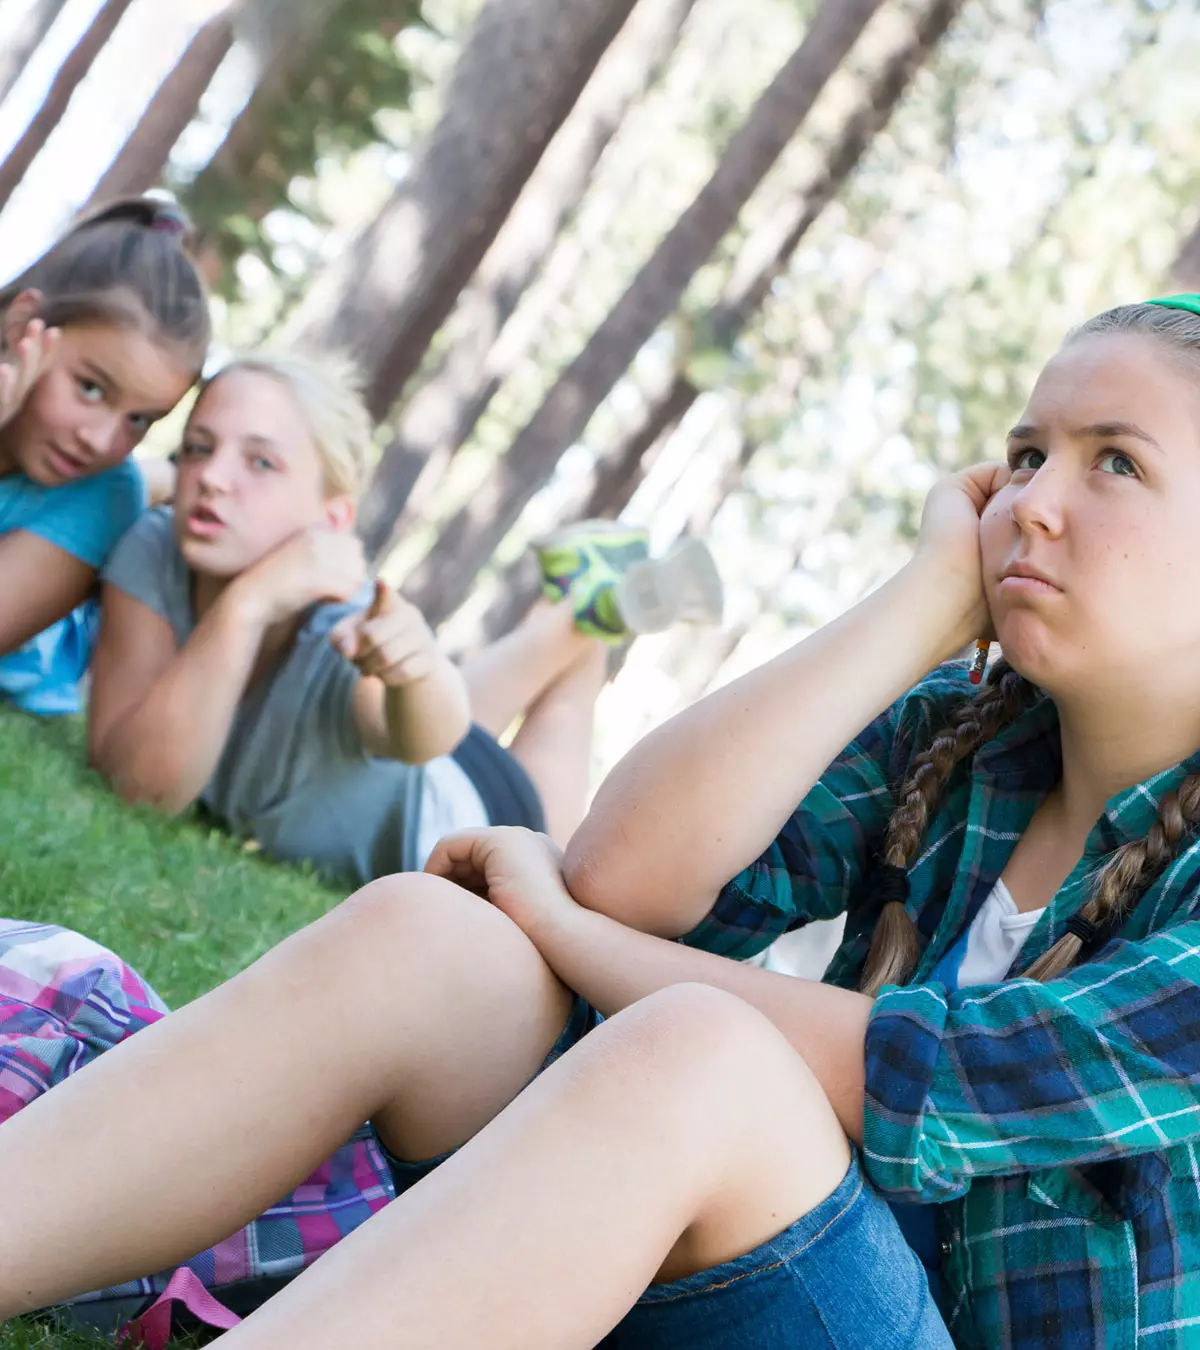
(1126, 875)
(896, 943)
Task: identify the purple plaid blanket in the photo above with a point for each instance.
(63, 1001)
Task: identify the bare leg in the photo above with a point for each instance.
(554, 743)
(413, 1003)
(507, 678)
(682, 1133)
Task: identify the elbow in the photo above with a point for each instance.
(604, 876)
(137, 786)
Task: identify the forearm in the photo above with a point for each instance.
(702, 796)
(428, 717)
(165, 749)
(613, 966)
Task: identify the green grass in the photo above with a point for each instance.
(176, 899)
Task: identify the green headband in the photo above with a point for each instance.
(1189, 302)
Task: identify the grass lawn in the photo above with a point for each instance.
(177, 900)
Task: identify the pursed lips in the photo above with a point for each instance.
(1025, 576)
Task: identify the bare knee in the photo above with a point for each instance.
(696, 1030)
(726, 1071)
(468, 1004)
(746, 1116)
(414, 941)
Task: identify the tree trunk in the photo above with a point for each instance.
(52, 111)
(440, 416)
(526, 328)
(438, 586)
(1185, 271)
(141, 160)
(522, 70)
(25, 41)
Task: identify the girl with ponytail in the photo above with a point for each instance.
(980, 1129)
(99, 337)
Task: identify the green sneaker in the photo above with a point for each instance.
(618, 591)
(593, 553)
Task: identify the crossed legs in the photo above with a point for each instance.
(682, 1132)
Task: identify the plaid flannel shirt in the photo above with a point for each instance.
(1055, 1126)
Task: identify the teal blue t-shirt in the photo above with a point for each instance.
(84, 519)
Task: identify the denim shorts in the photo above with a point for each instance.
(842, 1277)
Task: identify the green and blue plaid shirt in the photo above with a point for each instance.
(1056, 1126)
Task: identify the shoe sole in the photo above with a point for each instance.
(684, 586)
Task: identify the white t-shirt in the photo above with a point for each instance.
(993, 943)
(995, 938)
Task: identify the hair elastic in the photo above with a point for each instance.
(891, 883)
(169, 219)
(1189, 301)
(1086, 931)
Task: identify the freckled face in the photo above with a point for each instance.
(1089, 553)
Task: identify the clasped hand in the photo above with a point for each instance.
(518, 871)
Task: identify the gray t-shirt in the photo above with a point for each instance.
(294, 774)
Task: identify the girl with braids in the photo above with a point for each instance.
(99, 338)
(1008, 1038)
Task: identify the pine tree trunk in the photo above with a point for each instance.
(140, 162)
(54, 108)
(526, 327)
(441, 582)
(442, 413)
(26, 40)
(521, 72)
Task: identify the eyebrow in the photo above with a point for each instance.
(260, 442)
(1100, 431)
(254, 439)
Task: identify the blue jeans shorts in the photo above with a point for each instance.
(842, 1277)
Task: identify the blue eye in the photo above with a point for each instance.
(1026, 460)
(261, 464)
(193, 450)
(1122, 465)
(140, 424)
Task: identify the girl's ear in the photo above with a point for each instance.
(340, 512)
(17, 317)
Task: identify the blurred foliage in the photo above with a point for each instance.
(327, 108)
